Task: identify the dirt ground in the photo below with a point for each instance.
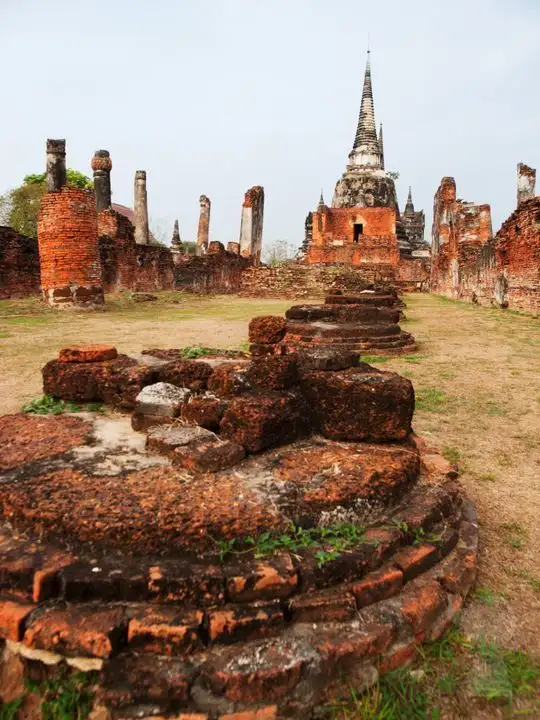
(477, 380)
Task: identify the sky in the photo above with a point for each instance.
(214, 96)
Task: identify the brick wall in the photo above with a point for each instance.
(128, 266)
(469, 263)
(19, 265)
(296, 280)
(219, 271)
(517, 248)
(70, 265)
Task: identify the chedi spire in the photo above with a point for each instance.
(366, 151)
(409, 207)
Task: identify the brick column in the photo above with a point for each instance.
(203, 231)
(70, 265)
(251, 224)
(56, 165)
(102, 165)
(526, 182)
(69, 261)
(140, 209)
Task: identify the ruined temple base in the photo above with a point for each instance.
(307, 543)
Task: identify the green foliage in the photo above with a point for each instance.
(397, 696)
(431, 400)
(8, 711)
(487, 596)
(67, 698)
(329, 541)
(451, 454)
(514, 535)
(393, 174)
(74, 178)
(48, 405)
(19, 207)
(195, 351)
(508, 673)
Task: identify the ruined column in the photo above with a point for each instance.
(203, 230)
(176, 242)
(102, 166)
(69, 259)
(140, 209)
(56, 165)
(526, 181)
(251, 224)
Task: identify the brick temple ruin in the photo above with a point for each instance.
(88, 246)
(164, 580)
(364, 226)
(471, 263)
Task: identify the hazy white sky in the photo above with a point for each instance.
(213, 96)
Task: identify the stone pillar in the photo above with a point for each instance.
(526, 181)
(102, 166)
(56, 165)
(140, 209)
(251, 224)
(203, 230)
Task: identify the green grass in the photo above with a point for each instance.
(69, 697)
(487, 596)
(329, 541)
(514, 535)
(48, 405)
(442, 672)
(432, 400)
(397, 696)
(451, 454)
(416, 359)
(8, 711)
(508, 673)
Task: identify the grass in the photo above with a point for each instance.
(48, 405)
(506, 680)
(8, 711)
(515, 534)
(452, 454)
(487, 596)
(432, 400)
(69, 697)
(329, 541)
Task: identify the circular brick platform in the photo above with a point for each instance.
(224, 593)
(363, 323)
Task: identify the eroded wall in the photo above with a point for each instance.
(469, 263)
(19, 265)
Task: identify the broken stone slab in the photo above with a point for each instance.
(87, 353)
(162, 399)
(360, 404)
(267, 329)
(258, 422)
(205, 410)
(166, 439)
(208, 455)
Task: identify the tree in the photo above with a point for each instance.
(19, 207)
(280, 251)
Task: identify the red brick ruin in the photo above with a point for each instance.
(362, 323)
(161, 580)
(470, 263)
(360, 240)
(68, 239)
